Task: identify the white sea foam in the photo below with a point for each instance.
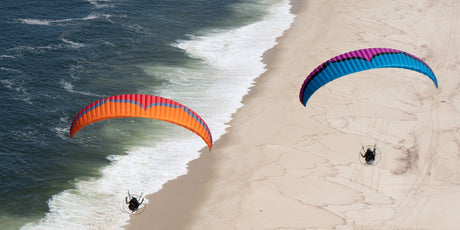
(69, 87)
(101, 3)
(36, 49)
(97, 203)
(35, 21)
(73, 44)
(62, 132)
(62, 128)
(6, 56)
(20, 50)
(47, 22)
(44, 22)
(231, 61)
(235, 61)
(10, 70)
(19, 89)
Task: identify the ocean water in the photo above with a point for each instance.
(56, 57)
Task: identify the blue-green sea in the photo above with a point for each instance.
(56, 57)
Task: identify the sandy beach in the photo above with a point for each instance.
(285, 166)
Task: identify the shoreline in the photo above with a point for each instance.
(166, 214)
(176, 201)
(280, 166)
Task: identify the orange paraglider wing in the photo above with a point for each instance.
(140, 105)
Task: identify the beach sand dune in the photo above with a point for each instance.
(286, 166)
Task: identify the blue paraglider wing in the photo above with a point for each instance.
(359, 60)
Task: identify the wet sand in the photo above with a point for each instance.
(285, 166)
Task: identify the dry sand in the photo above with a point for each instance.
(286, 166)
